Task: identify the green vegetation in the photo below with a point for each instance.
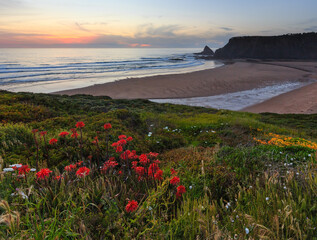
(240, 184)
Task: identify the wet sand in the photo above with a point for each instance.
(301, 101)
(234, 77)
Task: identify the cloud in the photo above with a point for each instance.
(80, 27)
(226, 29)
(147, 30)
(311, 29)
(147, 35)
(10, 3)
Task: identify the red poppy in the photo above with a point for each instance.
(143, 159)
(152, 169)
(96, 140)
(108, 164)
(79, 163)
(53, 141)
(35, 131)
(140, 171)
(70, 167)
(158, 175)
(131, 206)
(43, 133)
(43, 173)
(175, 180)
(107, 126)
(153, 154)
(114, 144)
(173, 172)
(122, 136)
(74, 135)
(24, 169)
(129, 139)
(58, 177)
(63, 134)
(119, 149)
(80, 125)
(122, 142)
(134, 164)
(82, 172)
(180, 190)
(120, 172)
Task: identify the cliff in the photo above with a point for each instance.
(290, 46)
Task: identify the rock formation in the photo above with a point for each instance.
(206, 51)
(290, 46)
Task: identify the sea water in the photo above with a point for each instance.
(237, 100)
(47, 70)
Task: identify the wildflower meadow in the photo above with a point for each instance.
(86, 167)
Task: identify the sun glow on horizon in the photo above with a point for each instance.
(177, 23)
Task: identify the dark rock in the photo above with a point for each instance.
(206, 51)
(290, 46)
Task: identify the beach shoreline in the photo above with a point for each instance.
(240, 75)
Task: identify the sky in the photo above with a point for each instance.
(148, 23)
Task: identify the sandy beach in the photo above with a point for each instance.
(232, 77)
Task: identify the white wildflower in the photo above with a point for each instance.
(8, 169)
(247, 230)
(16, 165)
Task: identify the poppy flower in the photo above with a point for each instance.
(119, 149)
(131, 206)
(53, 141)
(152, 169)
(80, 125)
(140, 171)
(63, 134)
(43, 173)
(129, 139)
(82, 172)
(107, 126)
(122, 136)
(180, 190)
(79, 163)
(24, 169)
(70, 167)
(158, 175)
(175, 180)
(114, 144)
(108, 164)
(58, 178)
(43, 133)
(74, 135)
(134, 164)
(143, 159)
(151, 154)
(173, 172)
(122, 142)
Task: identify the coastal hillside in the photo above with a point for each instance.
(290, 46)
(84, 167)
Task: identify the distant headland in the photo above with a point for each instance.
(289, 46)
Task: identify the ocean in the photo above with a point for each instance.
(41, 70)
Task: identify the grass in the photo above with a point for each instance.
(236, 186)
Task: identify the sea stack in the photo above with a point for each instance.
(207, 51)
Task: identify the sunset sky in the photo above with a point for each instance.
(146, 23)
